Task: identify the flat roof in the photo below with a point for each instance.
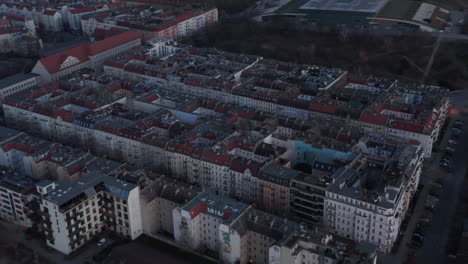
(367, 6)
(65, 191)
(7, 133)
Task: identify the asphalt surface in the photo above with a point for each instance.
(146, 250)
(433, 250)
(436, 237)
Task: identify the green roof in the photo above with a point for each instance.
(356, 105)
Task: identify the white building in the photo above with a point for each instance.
(16, 83)
(74, 15)
(197, 224)
(73, 213)
(51, 20)
(320, 247)
(355, 208)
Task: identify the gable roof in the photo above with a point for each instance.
(83, 10)
(52, 63)
(49, 12)
(83, 51)
(112, 42)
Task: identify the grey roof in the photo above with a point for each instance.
(368, 6)
(229, 208)
(7, 133)
(44, 183)
(8, 81)
(399, 9)
(65, 191)
(279, 174)
(17, 182)
(171, 190)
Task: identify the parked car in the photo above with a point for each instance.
(456, 132)
(101, 242)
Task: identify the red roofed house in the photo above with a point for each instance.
(85, 56)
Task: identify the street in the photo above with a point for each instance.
(433, 250)
(434, 247)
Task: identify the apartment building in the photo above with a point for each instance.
(237, 233)
(158, 201)
(51, 19)
(320, 247)
(368, 198)
(196, 224)
(165, 21)
(386, 107)
(274, 189)
(307, 196)
(43, 159)
(17, 203)
(74, 213)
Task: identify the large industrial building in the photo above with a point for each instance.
(367, 14)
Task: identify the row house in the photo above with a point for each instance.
(237, 233)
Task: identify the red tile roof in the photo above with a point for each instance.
(19, 147)
(49, 12)
(83, 51)
(83, 10)
(16, 17)
(10, 30)
(112, 42)
(4, 22)
(52, 63)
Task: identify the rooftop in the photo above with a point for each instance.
(368, 6)
(208, 203)
(278, 174)
(17, 182)
(65, 192)
(8, 81)
(171, 190)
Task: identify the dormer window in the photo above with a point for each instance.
(70, 61)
